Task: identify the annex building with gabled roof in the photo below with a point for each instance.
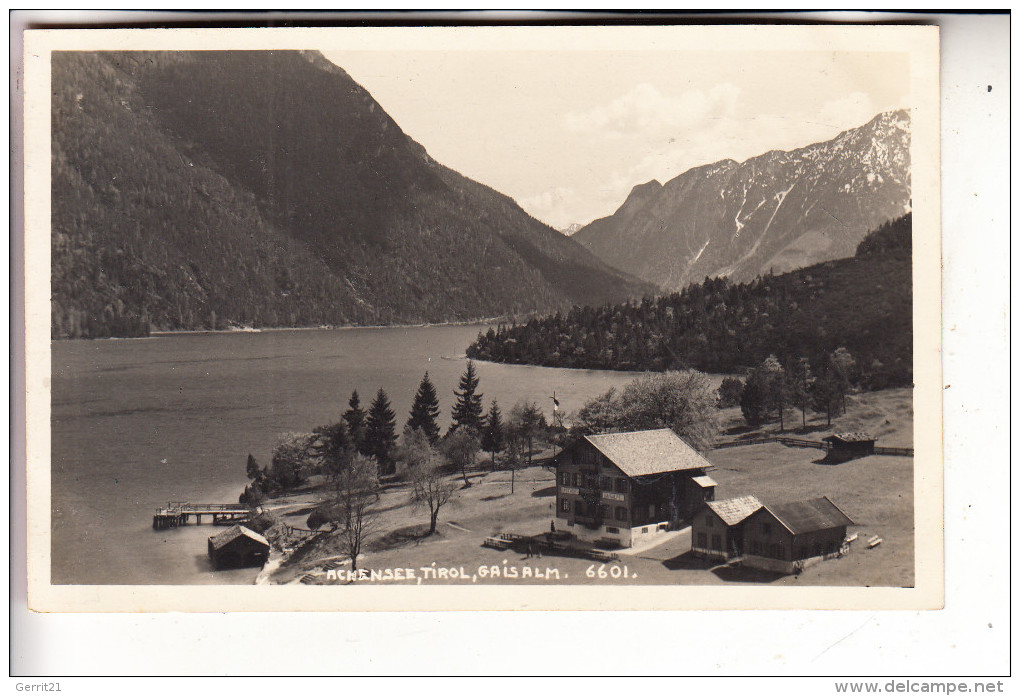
(776, 537)
(717, 531)
(784, 537)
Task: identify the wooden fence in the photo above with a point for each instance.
(895, 451)
(815, 444)
(798, 442)
(740, 443)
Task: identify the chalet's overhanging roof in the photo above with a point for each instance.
(645, 452)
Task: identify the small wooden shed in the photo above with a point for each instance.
(717, 530)
(844, 446)
(238, 547)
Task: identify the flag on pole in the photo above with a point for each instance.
(556, 403)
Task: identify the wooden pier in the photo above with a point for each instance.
(176, 514)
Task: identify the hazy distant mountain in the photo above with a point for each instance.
(778, 211)
(209, 189)
(569, 230)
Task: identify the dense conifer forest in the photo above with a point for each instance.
(862, 304)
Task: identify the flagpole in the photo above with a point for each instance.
(556, 417)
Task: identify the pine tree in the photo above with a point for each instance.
(843, 365)
(425, 410)
(355, 419)
(332, 448)
(252, 468)
(492, 437)
(754, 400)
(381, 433)
(778, 388)
(802, 381)
(467, 411)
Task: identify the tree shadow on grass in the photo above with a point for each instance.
(804, 430)
(495, 497)
(415, 534)
(544, 492)
(303, 511)
(388, 508)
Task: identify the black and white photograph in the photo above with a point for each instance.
(500, 311)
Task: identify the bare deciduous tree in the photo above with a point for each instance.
(431, 489)
(356, 488)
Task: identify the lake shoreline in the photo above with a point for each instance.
(485, 321)
(204, 402)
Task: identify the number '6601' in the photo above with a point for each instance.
(602, 571)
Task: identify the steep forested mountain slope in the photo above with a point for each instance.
(210, 189)
(861, 303)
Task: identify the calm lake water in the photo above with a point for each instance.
(137, 423)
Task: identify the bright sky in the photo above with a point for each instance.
(567, 134)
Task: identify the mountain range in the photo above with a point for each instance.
(218, 189)
(772, 213)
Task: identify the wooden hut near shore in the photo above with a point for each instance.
(238, 547)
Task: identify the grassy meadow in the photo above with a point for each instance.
(876, 491)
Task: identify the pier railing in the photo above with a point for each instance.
(178, 513)
(206, 507)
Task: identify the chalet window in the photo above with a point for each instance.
(565, 478)
(607, 484)
(621, 514)
(578, 508)
(702, 540)
(574, 478)
(621, 485)
(708, 520)
(716, 542)
(564, 505)
(613, 530)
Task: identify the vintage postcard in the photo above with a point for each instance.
(483, 318)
